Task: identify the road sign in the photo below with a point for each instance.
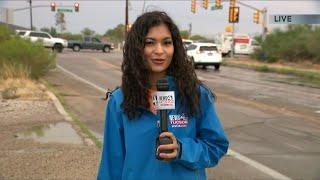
(64, 10)
(216, 7)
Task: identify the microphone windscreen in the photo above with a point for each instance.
(162, 84)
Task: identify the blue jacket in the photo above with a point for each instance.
(129, 145)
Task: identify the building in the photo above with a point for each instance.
(6, 15)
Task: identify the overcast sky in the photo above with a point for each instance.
(105, 14)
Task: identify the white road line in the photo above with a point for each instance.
(258, 165)
(201, 78)
(294, 146)
(81, 79)
(232, 153)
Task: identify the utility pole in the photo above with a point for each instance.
(127, 19)
(232, 5)
(30, 7)
(143, 6)
(190, 30)
(264, 18)
(264, 24)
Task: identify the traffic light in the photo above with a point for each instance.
(234, 14)
(205, 4)
(76, 7)
(218, 3)
(228, 28)
(232, 3)
(128, 27)
(53, 6)
(193, 6)
(256, 16)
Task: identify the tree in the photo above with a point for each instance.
(184, 34)
(70, 36)
(45, 29)
(116, 34)
(88, 32)
(197, 38)
(51, 31)
(60, 21)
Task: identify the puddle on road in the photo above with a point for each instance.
(52, 133)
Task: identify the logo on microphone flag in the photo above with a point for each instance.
(164, 100)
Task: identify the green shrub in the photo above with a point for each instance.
(10, 93)
(263, 68)
(5, 33)
(297, 43)
(20, 57)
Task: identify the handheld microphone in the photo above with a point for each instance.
(163, 90)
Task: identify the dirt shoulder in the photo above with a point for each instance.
(301, 73)
(303, 66)
(33, 145)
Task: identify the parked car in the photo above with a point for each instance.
(48, 41)
(186, 42)
(204, 54)
(90, 43)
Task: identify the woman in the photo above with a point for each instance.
(154, 50)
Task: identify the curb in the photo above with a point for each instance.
(59, 106)
(65, 115)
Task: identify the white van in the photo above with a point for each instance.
(242, 44)
(224, 42)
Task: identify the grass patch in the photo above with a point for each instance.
(75, 118)
(10, 93)
(21, 88)
(262, 68)
(295, 81)
(312, 77)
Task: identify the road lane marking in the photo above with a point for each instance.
(201, 78)
(258, 165)
(264, 106)
(265, 84)
(230, 152)
(110, 65)
(294, 146)
(81, 79)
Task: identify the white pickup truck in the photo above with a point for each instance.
(48, 41)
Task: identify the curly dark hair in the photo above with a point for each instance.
(135, 79)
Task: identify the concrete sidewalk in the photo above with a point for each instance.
(36, 142)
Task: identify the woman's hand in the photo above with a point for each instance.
(173, 147)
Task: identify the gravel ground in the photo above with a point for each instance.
(30, 159)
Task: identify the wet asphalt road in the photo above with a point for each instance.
(274, 124)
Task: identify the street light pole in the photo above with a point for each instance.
(30, 1)
(264, 24)
(127, 19)
(232, 45)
